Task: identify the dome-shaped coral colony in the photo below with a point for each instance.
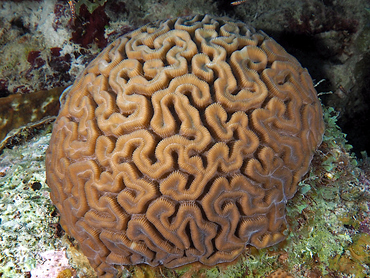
(182, 142)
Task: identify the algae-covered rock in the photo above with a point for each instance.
(26, 211)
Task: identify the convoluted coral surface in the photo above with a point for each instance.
(181, 142)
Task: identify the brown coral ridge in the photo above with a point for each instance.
(182, 142)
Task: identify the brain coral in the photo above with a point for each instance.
(182, 142)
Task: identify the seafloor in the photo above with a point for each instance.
(44, 45)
